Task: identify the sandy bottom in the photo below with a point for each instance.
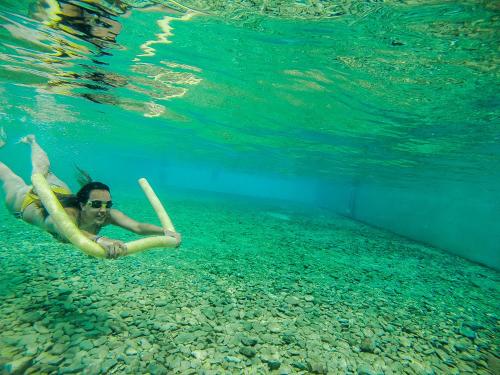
(254, 289)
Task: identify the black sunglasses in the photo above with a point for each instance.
(99, 204)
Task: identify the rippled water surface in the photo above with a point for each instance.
(381, 89)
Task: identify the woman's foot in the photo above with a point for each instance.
(29, 139)
(3, 137)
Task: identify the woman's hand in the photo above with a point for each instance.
(176, 235)
(114, 248)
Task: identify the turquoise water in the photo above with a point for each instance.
(372, 93)
(250, 119)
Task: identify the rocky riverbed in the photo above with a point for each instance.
(252, 290)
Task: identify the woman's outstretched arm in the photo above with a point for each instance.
(120, 219)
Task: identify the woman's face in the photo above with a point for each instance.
(97, 207)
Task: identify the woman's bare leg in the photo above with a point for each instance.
(40, 161)
(14, 186)
(16, 189)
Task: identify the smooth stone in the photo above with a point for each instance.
(145, 344)
(470, 357)
(86, 345)
(368, 345)
(199, 354)
(208, 312)
(292, 300)
(299, 365)
(157, 369)
(146, 357)
(461, 346)
(31, 317)
(12, 340)
(287, 338)
(31, 349)
(108, 364)
(88, 326)
(317, 368)
(248, 352)
(71, 369)
(184, 338)
(130, 351)
(40, 328)
(100, 341)
(467, 332)
(274, 327)
(273, 364)
(161, 302)
(59, 333)
(232, 359)
(248, 341)
(22, 340)
(364, 369)
(343, 322)
(168, 327)
(63, 291)
(58, 349)
(493, 363)
(18, 366)
(50, 359)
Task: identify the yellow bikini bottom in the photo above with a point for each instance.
(31, 197)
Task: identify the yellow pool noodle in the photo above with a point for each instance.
(63, 222)
(165, 221)
(69, 230)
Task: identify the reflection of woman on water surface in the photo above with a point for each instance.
(92, 23)
(85, 31)
(90, 209)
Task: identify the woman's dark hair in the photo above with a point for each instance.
(82, 176)
(83, 194)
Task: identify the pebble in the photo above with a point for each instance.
(248, 341)
(299, 365)
(18, 366)
(317, 367)
(184, 337)
(108, 364)
(344, 322)
(130, 351)
(199, 354)
(58, 349)
(292, 300)
(125, 314)
(248, 352)
(71, 369)
(40, 328)
(274, 327)
(32, 317)
(232, 359)
(273, 364)
(368, 345)
(86, 345)
(312, 322)
(467, 332)
(365, 369)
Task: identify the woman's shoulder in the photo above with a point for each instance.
(72, 212)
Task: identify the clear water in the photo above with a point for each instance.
(374, 92)
(243, 97)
